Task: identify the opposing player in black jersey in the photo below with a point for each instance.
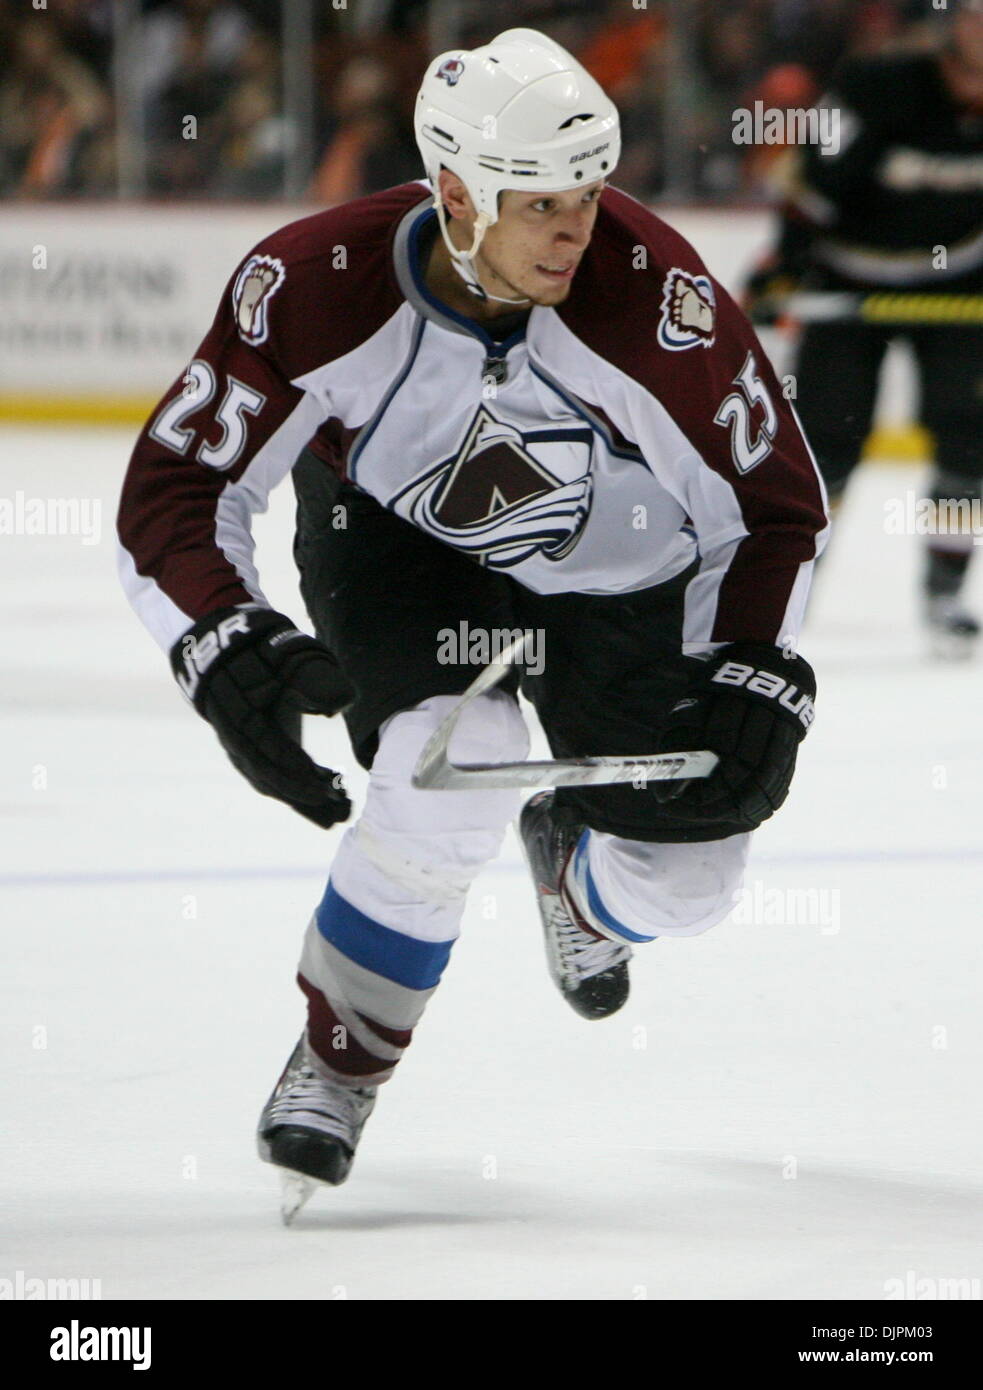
(897, 207)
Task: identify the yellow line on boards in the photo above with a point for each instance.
(74, 410)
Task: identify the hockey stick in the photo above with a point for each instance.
(887, 306)
(434, 769)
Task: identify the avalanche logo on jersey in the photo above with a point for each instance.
(497, 499)
(256, 284)
(689, 310)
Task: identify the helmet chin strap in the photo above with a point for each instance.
(463, 261)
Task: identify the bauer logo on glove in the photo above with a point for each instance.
(752, 705)
(198, 653)
(252, 674)
(767, 683)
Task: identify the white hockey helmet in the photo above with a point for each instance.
(519, 113)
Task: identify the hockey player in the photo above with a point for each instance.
(522, 403)
(897, 206)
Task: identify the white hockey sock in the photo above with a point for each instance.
(573, 891)
(648, 890)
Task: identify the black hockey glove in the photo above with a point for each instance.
(251, 674)
(751, 705)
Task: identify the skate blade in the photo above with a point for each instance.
(296, 1190)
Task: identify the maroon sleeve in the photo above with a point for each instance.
(230, 403)
(233, 424)
(713, 423)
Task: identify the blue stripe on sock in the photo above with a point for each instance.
(415, 964)
(597, 907)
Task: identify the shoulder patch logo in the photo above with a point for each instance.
(689, 311)
(256, 284)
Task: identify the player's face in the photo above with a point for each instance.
(534, 248)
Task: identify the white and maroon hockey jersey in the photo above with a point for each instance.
(600, 448)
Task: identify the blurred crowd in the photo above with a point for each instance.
(198, 84)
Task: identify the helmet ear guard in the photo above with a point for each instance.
(519, 113)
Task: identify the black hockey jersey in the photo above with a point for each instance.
(897, 198)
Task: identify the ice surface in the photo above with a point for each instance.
(780, 1111)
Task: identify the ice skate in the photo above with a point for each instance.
(310, 1129)
(953, 633)
(590, 970)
